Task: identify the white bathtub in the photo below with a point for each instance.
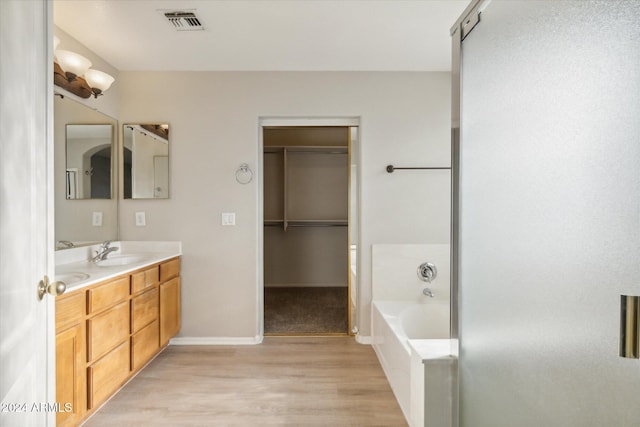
(405, 335)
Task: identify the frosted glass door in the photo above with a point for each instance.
(549, 213)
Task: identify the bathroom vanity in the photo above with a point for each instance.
(111, 323)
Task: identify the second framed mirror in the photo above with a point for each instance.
(145, 160)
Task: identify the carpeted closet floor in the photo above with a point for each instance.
(306, 310)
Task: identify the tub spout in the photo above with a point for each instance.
(428, 292)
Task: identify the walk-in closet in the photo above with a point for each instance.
(306, 230)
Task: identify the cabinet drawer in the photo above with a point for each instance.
(144, 309)
(69, 310)
(106, 295)
(169, 269)
(107, 330)
(144, 344)
(107, 374)
(144, 279)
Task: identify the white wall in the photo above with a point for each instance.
(213, 117)
(394, 275)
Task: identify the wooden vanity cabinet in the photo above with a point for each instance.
(145, 330)
(144, 345)
(144, 279)
(70, 358)
(106, 375)
(107, 332)
(169, 310)
(169, 300)
(107, 294)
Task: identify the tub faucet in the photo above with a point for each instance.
(427, 272)
(105, 250)
(428, 292)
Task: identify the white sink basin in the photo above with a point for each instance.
(71, 277)
(120, 260)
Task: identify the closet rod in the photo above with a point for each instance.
(391, 168)
(270, 224)
(310, 151)
(318, 151)
(317, 225)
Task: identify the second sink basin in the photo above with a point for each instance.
(120, 260)
(71, 277)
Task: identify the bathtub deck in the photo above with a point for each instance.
(297, 381)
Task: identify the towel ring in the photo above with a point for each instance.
(244, 174)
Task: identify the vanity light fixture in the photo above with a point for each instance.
(72, 72)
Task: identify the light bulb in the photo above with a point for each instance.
(98, 81)
(72, 63)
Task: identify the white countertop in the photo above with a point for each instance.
(75, 268)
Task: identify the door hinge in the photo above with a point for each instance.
(469, 24)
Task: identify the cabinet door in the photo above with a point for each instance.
(169, 310)
(70, 388)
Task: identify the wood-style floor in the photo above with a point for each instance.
(286, 381)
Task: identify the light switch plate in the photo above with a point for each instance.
(141, 219)
(96, 219)
(228, 218)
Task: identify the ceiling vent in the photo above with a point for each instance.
(184, 21)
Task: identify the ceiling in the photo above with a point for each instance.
(266, 35)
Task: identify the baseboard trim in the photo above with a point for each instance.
(216, 340)
(364, 339)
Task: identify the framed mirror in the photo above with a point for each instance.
(145, 161)
(84, 215)
(89, 149)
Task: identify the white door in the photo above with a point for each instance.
(27, 372)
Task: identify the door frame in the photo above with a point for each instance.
(465, 23)
(290, 121)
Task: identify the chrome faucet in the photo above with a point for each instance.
(427, 272)
(105, 250)
(428, 292)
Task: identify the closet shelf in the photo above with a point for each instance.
(307, 223)
(322, 149)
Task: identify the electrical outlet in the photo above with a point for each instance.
(141, 219)
(96, 219)
(228, 218)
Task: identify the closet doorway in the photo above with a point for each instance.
(309, 234)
